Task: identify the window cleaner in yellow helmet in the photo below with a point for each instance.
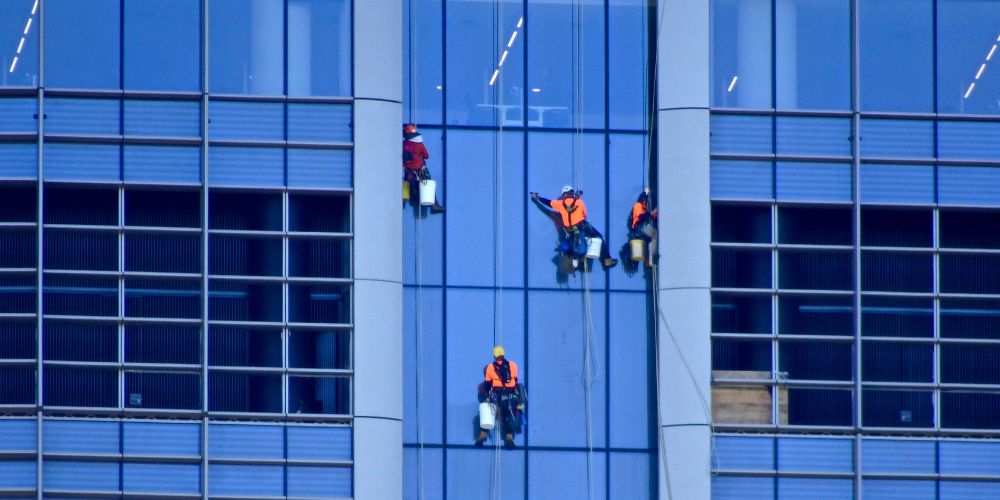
(502, 390)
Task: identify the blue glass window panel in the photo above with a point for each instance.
(82, 44)
(320, 122)
(316, 482)
(473, 313)
(423, 83)
(630, 475)
(898, 456)
(18, 473)
(815, 455)
(628, 372)
(813, 181)
(812, 50)
(234, 166)
(78, 436)
(813, 136)
(19, 435)
(744, 453)
(964, 490)
(564, 474)
(163, 45)
(556, 325)
(897, 138)
(742, 488)
(897, 183)
(246, 480)
(887, 489)
(86, 476)
(246, 47)
(790, 488)
(575, 163)
(743, 180)
(742, 134)
(560, 70)
(470, 470)
(628, 162)
(231, 120)
(19, 160)
(245, 441)
(969, 458)
(82, 116)
(319, 47)
(431, 229)
(161, 478)
(423, 472)
(328, 168)
(897, 55)
(477, 220)
(162, 164)
(169, 439)
(628, 53)
(473, 52)
(318, 443)
(966, 35)
(163, 118)
(82, 162)
(740, 54)
(14, 16)
(968, 140)
(429, 324)
(969, 185)
(17, 114)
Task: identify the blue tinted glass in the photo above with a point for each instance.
(896, 55)
(794, 488)
(245, 441)
(318, 442)
(162, 44)
(82, 116)
(478, 221)
(246, 43)
(742, 134)
(968, 140)
(149, 438)
(19, 43)
(319, 47)
(81, 44)
(91, 162)
(320, 122)
(630, 475)
(897, 183)
(169, 164)
(425, 329)
(897, 138)
(627, 62)
(327, 168)
(968, 185)
(743, 453)
(246, 166)
(563, 63)
(85, 476)
(964, 490)
(809, 136)
(628, 372)
(905, 456)
(163, 118)
(246, 120)
(246, 480)
(628, 162)
(812, 54)
(884, 489)
(77, 436)
(469, 470)
(740, 56)
(968, 75)
(19, 474)
(566, 474)
(748, 180)
(317, 482)
(19, 160)
(423, 77)
(742, 488)
(813, 181)
(18, 114)
(166, 478)
(423, 232)
(969, 457)
(21, 434)
(474, 52)
(815, 454)
(423, 471)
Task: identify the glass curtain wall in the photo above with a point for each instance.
(854, 283)
(176, 248)
(517, 96)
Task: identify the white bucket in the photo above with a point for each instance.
(486, 418)
(427, 188)
(594, 247)
(638, 247)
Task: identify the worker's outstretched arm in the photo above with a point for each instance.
(540, 199)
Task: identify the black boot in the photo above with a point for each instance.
(508, 442)
(435, 208)
(481, 439)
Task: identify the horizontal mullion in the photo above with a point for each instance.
(243, 278)
(245, 232)
(160, 367)
(154, 275)
(782, 112)
(161, 459)
(18, 137)
(315, 236)
(783, 473)
(131, 139)
(270, 143)
(782, 382)
(781, 158)
(18, 270)
(279, 417)
(82, 228)
(279, 461)
(160, 230)
(305, 280)
(320, 372)
(280, 98)
(12, 362)
(271, 370)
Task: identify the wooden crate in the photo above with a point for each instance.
(741, 404)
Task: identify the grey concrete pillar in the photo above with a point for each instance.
(378, 272)
(685, 262)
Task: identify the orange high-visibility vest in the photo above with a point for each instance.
(572, 210)
(493, 377)
(637, 211)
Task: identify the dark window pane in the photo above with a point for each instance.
(319, 47)
(815, 270)
(17, 340)
(17, 385)
(319, 258)
(898, 408)
(319, 213)
(327, 395)
(81, 387)
(970, 229)
(19, 37)
(18, 204)
(815, 315)
(162, 253)
(319, 304)
(242, 392)
(741, 268)
(819, 407)
(70, 295)
(18, 249)
(741, 313)
(80, 341)
(890, 82)
(244, 211)
(816, 361)
(243, 347)
(897, 362)
(172, 391)
(966, 34)
(741, 224)
(970, 273)
(162, 44)
(242, 301)
(741, 355)
(970, 364)
(812, 54)
(162, 299)
(970, 410)
(814, 226)
(974, 319)
(66, 205)
(896, 317)
(162, 344)
(741, 53)
(77, 250)
(146, 208)
(242, 256)
(319, 349)
(882, 227)
(896, 272)
(17, 294)
(246, 47)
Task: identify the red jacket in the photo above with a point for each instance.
(417, 154)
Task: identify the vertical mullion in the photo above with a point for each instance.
(775, 359)
(936, 315)
(121, 295)
(204, 248)
(284, 300)
(39, 255)
(856, 215)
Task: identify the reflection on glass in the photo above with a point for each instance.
(19, 43)
(423, 77)
(812, 54)
(246, 47)
(162, 44)
(896, 55)
(968, 74)
(740, 58)
(319, 47)
(627, 59)
(82, 44)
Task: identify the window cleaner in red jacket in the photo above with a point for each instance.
(415, 157)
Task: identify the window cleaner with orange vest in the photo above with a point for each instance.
(501, 389)
(642, 226)
(415, 157)
(573, 215)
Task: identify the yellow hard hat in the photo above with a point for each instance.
(498, 351)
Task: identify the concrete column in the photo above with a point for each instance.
(685, 262)
(378, 289)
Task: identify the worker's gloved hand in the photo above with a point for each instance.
(534, 196)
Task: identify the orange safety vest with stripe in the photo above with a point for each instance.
(495, 373)
(572, 210)
(638, 210)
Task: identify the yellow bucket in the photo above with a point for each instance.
(406, 191)
(638, 247)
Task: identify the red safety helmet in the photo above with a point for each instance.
(409, 128)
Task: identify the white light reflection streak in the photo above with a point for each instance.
(982, 68)
(20, 45)
(503, 57)
(732, 84)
